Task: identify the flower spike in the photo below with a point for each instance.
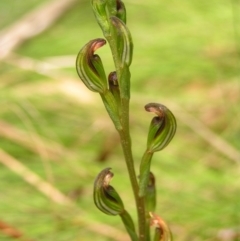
(90, 68)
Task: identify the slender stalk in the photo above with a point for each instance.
(126, 145)
(127, 150)
(124, 134)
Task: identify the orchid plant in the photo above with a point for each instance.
(115, 93)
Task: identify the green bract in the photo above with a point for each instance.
(89, 66)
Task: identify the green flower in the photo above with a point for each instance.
(162, 128)
(90, 68)
(105, 196)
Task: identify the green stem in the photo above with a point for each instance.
(126, 145)
(123, 74)
(127, 150)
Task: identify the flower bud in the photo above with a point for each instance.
(162, 128)
(105, 196)
(113, 81)
(124, 41)
(90, 68)
(162, 231)
(114, 87)
(100, 11)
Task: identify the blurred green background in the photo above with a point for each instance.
(55, 136)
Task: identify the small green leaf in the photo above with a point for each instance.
(162, 128)
(105, 196)
(89, 66)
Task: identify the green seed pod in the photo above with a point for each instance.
(162, 128)
(90, 68)
(105, 196)
(124, 41)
